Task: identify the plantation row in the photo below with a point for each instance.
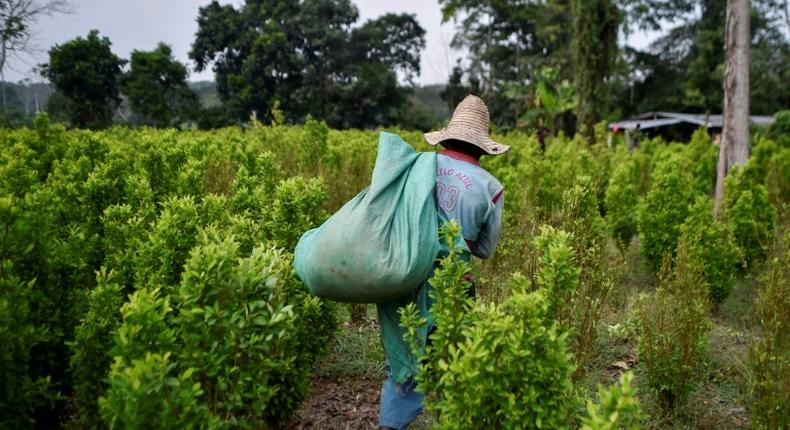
(147, 282)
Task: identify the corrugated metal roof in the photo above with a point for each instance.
(643, 124)
(660, 119)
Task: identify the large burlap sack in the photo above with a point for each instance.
(381, 244)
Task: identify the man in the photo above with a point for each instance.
(469, 194)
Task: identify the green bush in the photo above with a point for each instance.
(21, 391)
(144, 327)
(749, 215)
(768, 376)
(145, 389)
(495, 365)
(237, 351)
(134, 202)
(562, 164)
(296, 208)
(18, 174)
(702, 156)
(314, 328)
(557, 274)
(711, 249)
(162, 256)
(235, 330)
(581, 218)
(756, 167)
(125, 231)
(148, 393)
(777, 178)
(645, 159)
(255, 186)
(621, 203)
(90, 360)
(617, 408)
(313, 145)
(665, 208)
(781, 125)
(673, 326)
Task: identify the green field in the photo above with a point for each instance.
(146, 282)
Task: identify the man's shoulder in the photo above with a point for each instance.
(478, 173)
(493, 183)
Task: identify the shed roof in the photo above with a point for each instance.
(661, 119)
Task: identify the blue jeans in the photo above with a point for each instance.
(400, 404)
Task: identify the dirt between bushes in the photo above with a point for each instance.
(344, 404)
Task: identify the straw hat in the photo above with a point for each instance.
(469, 123)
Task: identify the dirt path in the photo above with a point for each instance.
(350, 403)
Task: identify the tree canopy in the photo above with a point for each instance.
(307, 57)
(156, 85)
(86, 73)
(510, 43)
(16, 29)
(683, 70)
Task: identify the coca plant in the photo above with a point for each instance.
(237, 339)
(768, 374)
(664, 208)
(495, 365)
(673, 325)
(711, 249)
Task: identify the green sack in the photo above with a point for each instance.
(382, 243)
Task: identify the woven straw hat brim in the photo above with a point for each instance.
(470, 124)
(460, 133)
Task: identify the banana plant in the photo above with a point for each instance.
(546, 99)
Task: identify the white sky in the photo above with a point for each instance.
(141, 24)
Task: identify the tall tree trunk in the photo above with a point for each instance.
(2, 86)
(594, 49)
(3, 53)
(734, 147)
(787, 14)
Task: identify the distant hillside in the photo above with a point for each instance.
(24, 100)
(425, 96)
(429, 96)
(207, 93)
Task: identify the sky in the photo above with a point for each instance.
(141, 24)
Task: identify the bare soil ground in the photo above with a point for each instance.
(348, 403)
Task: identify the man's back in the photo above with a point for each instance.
(469, 194)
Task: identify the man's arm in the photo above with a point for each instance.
(487, 239)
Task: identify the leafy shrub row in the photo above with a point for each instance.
(89, 218)
(237, 338)
(506, 365)
(769, 354)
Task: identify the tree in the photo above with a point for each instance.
(306, 56)
(455, 90)
(393, 40)
(552, 98)
(509, 42)
(683, 70)
(86, 72)
(156, 85)
(16, 20)
(595, 26)
(734, 146)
